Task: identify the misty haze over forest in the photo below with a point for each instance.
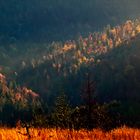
(50, 20)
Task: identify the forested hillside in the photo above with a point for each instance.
(114, 67)
(60, 20)
(104, 66)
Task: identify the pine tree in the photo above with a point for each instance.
(88, 92)
(62, 112)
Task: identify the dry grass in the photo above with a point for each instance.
(57, 134)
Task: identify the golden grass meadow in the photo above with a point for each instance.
(123, 133)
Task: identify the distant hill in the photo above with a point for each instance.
(60, 20)
(115, 72)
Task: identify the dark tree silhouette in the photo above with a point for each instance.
(88, 94)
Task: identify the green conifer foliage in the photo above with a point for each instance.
(62, 111)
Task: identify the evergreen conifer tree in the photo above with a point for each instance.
(62, 111)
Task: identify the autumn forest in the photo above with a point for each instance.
(68, 72)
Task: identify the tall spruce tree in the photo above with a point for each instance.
(88, 92)
(62, 111)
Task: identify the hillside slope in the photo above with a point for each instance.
(111, 68)
(44, 20)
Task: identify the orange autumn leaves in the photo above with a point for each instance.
(67, 57)
(15, 93)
